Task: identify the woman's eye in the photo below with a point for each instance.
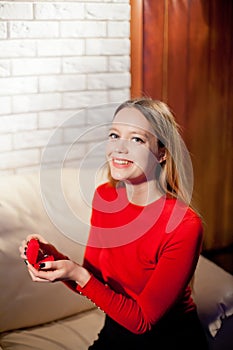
(113, 135)
(138, 139)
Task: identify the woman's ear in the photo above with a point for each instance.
(162, 155)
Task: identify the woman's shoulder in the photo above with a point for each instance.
(178, 210)
(182, 224)
(106, 191)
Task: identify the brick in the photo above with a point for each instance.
(83, 29)
(119, 64)
(33, 29)
(72, 135)
(98, 135)
(54, 154)
(95, 158)
(108, 81)
(51, 119)
(14, 159)
(36, 138)
(118, 29)
(5, 68)
(64, 153)
(84, 64)
(23, 85)
(84, 99)
(62, 83)
(119, 95)
(36, 102)
(108, 11)
(5, 142)
(30, 66)
(16, 48)
(96, 1)
(82, 135)
(76, 118)
(57, 10)
(73, 164)
(107, 46)
(76, 151)
(18, 122)
(3, 30)
(14, 10)
(60, 47)
(5, 105)
(97, 150)
(104, 1)
(99, 115)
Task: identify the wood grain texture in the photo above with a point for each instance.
(136, 34)
(188, 63)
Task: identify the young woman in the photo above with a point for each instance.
(144, 241)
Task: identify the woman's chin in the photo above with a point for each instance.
(118, 176)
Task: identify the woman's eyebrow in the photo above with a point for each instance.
(113, 129)
(132, 132)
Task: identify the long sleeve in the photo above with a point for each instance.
(139, 308)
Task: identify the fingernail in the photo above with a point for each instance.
(42, 265)
(26, 262)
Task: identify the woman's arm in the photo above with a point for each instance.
(167, 283)
(61, 270)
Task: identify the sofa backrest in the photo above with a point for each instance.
(26, 203)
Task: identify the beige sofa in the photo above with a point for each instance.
(51, 316)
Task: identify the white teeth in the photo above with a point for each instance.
(121, 161)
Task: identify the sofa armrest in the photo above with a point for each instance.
(213, 294)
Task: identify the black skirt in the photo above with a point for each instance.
(183, 332)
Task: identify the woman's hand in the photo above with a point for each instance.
(52, 271)
(45, 248)
(61, 270)
(23, 246)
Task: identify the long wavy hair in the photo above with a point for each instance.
(174, 175)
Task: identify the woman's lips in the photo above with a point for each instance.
(121, 163)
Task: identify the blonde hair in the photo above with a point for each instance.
(175, 175)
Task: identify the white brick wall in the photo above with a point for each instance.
(56, 58)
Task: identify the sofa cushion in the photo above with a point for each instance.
(213, 294)
(24, 303)
(76, 332)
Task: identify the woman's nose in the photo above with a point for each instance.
(121, 146)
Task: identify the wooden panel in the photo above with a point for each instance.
(153, 45)
(187, 62)
(136, 34)
(210, 118)
(178, 64)
(219, 130)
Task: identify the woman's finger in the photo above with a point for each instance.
(45, 272)
(37, 279)
(37, 236)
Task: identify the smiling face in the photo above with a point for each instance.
(132, 151)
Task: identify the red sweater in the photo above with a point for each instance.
(139, 270)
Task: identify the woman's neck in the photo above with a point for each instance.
(143, 193)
